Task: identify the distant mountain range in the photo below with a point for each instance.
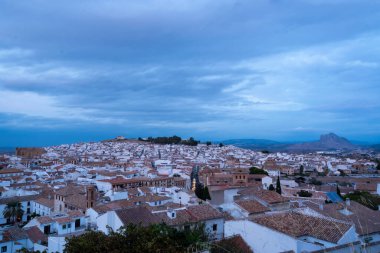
(375, 147)
(7, 150)
(257, 144)
(326, 142)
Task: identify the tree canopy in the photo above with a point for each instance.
(278, 185)
(255, 170)
(172, 140)
(136, 239)
(304, 193)
(202, 192)
(13, 211)
(301, 170)
(365, 198)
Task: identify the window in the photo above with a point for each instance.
(4, 249)
(77, 223)
(214, 227)
(173, 214)
(69, 225)
(64, 226)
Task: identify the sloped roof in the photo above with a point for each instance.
(366, 220)
(296, 225)
(137, 215)
(252, 206)
(270, 197)
(35, 235)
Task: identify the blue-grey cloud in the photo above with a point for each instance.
(212, 69)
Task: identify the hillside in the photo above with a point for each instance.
(329, 141)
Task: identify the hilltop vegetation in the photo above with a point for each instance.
(171, 140)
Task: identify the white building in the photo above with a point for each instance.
(59, 226)
(179, 218)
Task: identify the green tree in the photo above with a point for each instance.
(278, 185)
(206, 193)
(338, 191)
(301, 169)
(271, 187)
(365, 198)
(255, 170)
(13, 211)
(208, 143)
(136, 239)
(314, 181)
(304, 193)
(221, 145)
(378, 165)
(342, 173)
(199, 191)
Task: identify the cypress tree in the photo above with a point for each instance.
(278, 185)
(338, 191)
(206, 193)
(301, 169)
(199, 191)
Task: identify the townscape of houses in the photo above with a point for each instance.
(66, 190)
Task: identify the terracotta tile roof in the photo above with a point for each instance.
(252, 206)
(119, 204)
(270, 197)
(18, 199)
(45, 202)
(7, 171)
(63, 220)
(169, 205)
(234, 242)
(35, 235)
(14, 233)
(204, 212)
(182, 217)
(79, 201)
(75, 213)
(366, 220)
(71, 190)
(100, 209)
(137, 215)
(191, 214)
(297, 225)
(44, 219)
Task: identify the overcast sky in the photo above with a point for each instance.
(85, 70)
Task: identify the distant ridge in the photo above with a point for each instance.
(329, 141)
(326, 142)
(7, 150)
(257, 144)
